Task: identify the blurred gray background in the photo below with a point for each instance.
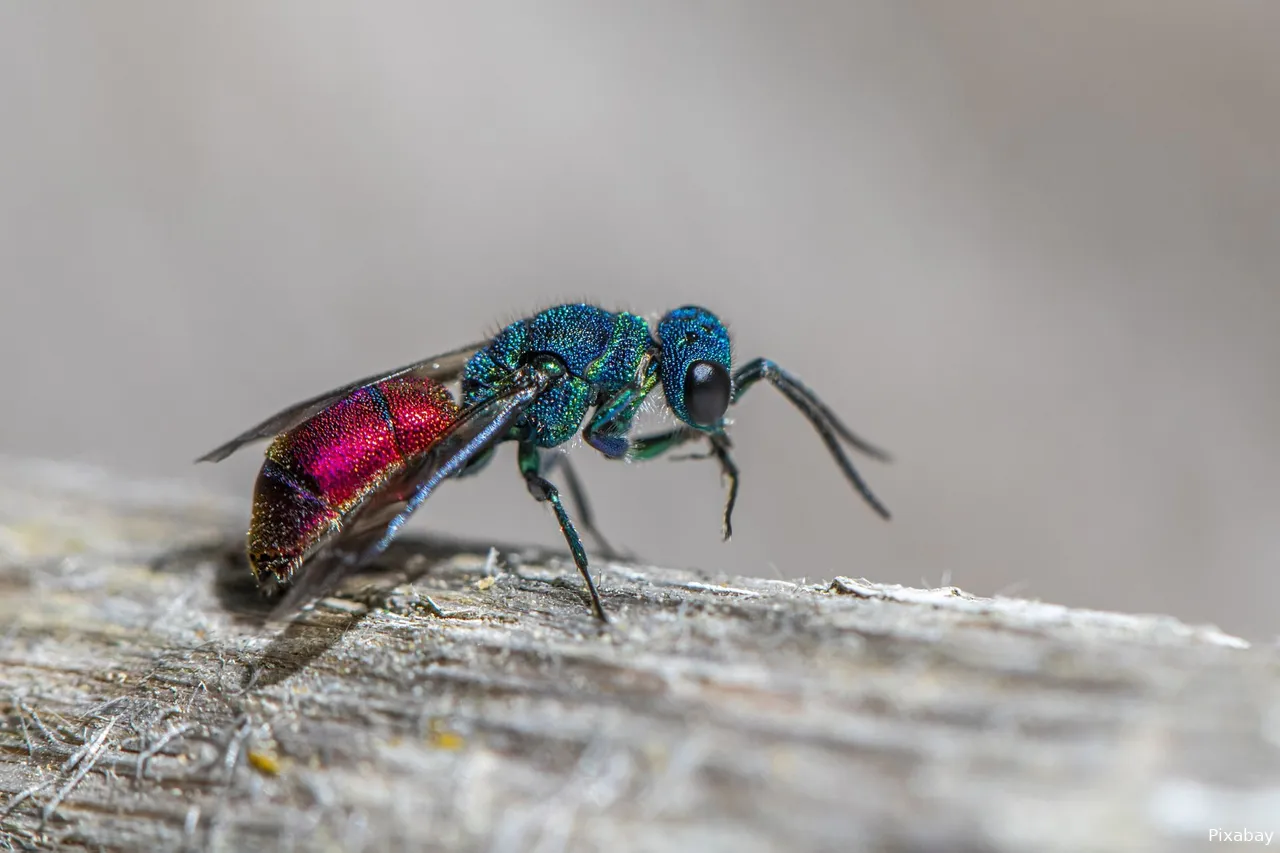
(1031, 248)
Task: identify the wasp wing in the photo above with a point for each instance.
(442, 368)
(368, 533)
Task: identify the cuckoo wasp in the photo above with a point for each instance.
(347, 468)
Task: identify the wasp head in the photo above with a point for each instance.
(696, 364)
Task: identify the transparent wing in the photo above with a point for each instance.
(442, 368)
(368, 532)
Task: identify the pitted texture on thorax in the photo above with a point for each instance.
(602, 351)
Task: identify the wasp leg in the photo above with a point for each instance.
(578, 495)
(607, 430)
(828, 426)
(652, 446)
(729, 470)
(543, 490)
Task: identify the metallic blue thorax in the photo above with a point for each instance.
(602, 350)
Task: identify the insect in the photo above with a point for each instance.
(347, 468)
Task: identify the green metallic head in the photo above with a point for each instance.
(696, 367)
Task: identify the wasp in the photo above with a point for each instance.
(346, 469)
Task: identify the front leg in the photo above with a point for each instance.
(729, 470)
(653, 446)
(607, 430)
(542, 489)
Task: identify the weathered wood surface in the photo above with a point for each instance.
(144, 707)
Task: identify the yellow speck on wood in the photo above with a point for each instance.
(264, 762)
(442, 738)
(485, 583)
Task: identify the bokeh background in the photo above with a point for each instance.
(1031, 248)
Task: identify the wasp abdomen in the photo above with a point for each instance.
(319, 471)
(287, 521)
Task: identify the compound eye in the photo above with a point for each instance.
(706, 392)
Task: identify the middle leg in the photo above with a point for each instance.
(543, 489)
(577, 494)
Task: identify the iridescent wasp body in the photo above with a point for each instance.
(347, 468)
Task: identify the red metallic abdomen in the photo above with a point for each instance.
(317, 473)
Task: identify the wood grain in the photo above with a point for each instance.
(464, 698)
